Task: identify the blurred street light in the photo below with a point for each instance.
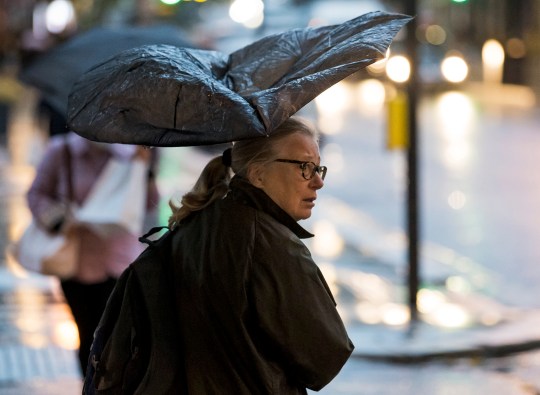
(370, 95)
(492, 61)
(378, 67)
(398, 68)
(331, 106)
(454, 68)
(435, 35)
(59, 15)
(249, 13)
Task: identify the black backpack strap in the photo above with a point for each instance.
(165, 373)
(146, 237)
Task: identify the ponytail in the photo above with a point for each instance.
(212, 185)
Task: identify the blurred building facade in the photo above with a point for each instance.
(466, 24)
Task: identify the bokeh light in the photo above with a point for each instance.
(249, 13)
(492, 61)
(66, 334)
(429, 300)
(395, 314)
(332, 104)
(450, 315)
(435, 35)
(456, 121)
(457, 200)
(398, 68)
(59, 15)
(328, 242)
(515, 48)
(454, 69)
(370, 97)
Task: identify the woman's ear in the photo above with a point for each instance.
(255, 175)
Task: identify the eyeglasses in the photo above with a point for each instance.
(308, 168)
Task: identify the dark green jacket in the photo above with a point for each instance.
(256, 314)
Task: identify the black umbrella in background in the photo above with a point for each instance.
(170, 96)
(54, 72)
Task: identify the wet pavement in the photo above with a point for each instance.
(494, 352)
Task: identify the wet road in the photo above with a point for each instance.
(479, 187)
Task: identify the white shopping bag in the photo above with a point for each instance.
(117, 200)
(46, 253)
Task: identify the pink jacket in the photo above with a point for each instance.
(99, 257)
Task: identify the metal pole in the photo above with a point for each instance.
(412, 168)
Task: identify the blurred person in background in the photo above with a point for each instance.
(101, 260)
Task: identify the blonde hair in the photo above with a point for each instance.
(213, 183)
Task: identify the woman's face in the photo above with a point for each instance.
(283, 181)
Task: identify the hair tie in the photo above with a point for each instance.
(226, 157)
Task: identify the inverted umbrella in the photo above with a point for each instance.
(54, 72)
(170, 96)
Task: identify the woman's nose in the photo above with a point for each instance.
(317, 181)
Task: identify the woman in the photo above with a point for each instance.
(72, 163)
(256, 314)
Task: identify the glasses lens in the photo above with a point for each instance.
(309, 169)
(322, 171)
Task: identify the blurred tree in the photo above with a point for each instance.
(92, 12)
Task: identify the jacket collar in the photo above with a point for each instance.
(243, 191)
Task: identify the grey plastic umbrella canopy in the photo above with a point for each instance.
(169, 96)
(55, 72)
